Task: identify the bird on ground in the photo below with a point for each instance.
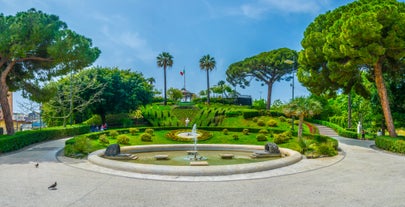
(37, 165)
(53, 186)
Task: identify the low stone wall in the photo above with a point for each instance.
(290, 158)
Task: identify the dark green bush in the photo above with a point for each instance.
(225, 131)
(272, 123)
(282, 137)
(260, 122)
(250, 114)
(122, 139)
(235, 137)
(391, 144)
(245, 131)
(103, 139)
(261, 137)
(113, 134)
(25, 138)
(146, 137)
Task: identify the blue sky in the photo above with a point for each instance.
(131, 33)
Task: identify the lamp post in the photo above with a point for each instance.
(292, 62)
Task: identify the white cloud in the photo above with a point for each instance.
(261, 7)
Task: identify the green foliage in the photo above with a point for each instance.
(260, 122)
(235, 137)
(123, 139)
(261, 137)
(263, 131)
(391, 144)
(282, 118)
(282, 137)
(268, 67)
(113, 133)
(245, 131)
(103, 139)
(82, 145)
(22, 139)
(225, 131)
(133, 131)
(146, 137)
(250, 114)
(29, 40)
(149, 131)
(272, 123)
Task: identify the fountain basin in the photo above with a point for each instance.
(289, 157)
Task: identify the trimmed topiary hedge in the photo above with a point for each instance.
(22, 139)
(391, 144)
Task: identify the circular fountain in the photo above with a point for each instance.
(199, 164)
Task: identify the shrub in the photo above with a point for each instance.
(113, 134)
(103, 139)
(260, 122)
(149, 131)
(282, 138)
(325, 149)
(282, 118)
(272, 123)
(250, 114)
(261, 137)
(146, 137)
(82, 145)
(296, 122)
(225, 131)
(263, 131)
(245, 131)
(235, 137)
(133, 131)
(391, 144)
(123, 139)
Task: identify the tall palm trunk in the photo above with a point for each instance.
(164, 74)
(382, 93)
(208, 87)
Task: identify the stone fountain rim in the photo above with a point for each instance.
(217, 170)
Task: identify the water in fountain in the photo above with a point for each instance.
(193, 155)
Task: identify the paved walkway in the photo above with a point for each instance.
(360, 176)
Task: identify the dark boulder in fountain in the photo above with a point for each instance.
(113, 150)
(270, 150)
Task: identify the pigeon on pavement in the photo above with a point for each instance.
(53, 186)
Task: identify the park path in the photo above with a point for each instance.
(364, 177)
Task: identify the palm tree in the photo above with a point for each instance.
(302, 107)
(207, 63)
(164, 60)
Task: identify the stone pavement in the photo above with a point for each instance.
(360, 176)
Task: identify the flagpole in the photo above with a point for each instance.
(184, 74)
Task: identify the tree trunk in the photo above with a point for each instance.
(208, 87)
(300, 125)
(382, 93)
(349, 110)
(164, 74)
(5, 106)
(269, 90)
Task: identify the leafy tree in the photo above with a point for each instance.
(34, 47)
(266, 67)
(207, 63)
(124, 91)
(302, 107)
(363, 37)
(175, 94)
(72, 94)
(164, 60)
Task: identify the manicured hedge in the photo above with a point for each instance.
(25, 138)
(391, 144)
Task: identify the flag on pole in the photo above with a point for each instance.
(183, 72)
